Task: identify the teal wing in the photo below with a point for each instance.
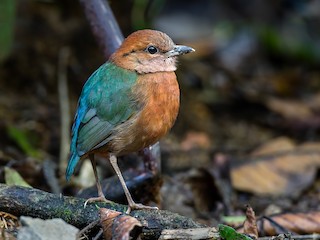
(105, 102)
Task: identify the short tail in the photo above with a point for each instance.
(73, 161)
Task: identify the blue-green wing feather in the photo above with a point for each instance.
(104, 103)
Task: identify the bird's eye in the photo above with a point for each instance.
(152, 49)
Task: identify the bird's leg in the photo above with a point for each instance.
(101, 197)
(131, 203)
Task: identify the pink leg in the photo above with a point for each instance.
(132, 204)
(101, 197)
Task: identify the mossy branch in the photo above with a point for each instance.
(36, 203)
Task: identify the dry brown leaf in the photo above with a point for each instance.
(290, 109)
(117, 226)
(279, 144)
(107, 217)
(286, 173)
(123, 225)
(300, 223)
(250, 224)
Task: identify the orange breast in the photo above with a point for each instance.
(161, 97)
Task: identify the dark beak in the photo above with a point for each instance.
(179, 50)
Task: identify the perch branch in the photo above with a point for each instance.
(36, 203)
(64, 109)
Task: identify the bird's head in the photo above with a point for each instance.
(148, 51)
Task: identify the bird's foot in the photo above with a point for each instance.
(139, 206)
(96, 199)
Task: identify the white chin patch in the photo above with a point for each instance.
(157, 65)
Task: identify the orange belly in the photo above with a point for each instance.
(162, 106)
(159, 96)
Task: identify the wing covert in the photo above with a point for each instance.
(105, 102)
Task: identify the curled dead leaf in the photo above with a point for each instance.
(118, 226)
(298, 223)
(250, 224)
(107, 217)
(124, 225)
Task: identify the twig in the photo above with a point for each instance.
(192, 234)
(49, 173)
(64, 109)
(86, 229)
(103, 24)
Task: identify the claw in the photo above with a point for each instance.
(139, 206)
(96, 199)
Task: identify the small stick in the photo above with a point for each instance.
(103, 24)
(64, 109)
(191, 233)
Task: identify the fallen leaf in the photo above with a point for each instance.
(107, 217)
(280, 144)
(290, 109)
(124, 225)
(299, 223)
(118, 226)
(250, 224)
(284, 173)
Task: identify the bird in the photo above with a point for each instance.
(129, 103)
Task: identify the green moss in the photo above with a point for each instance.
(65, 214)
